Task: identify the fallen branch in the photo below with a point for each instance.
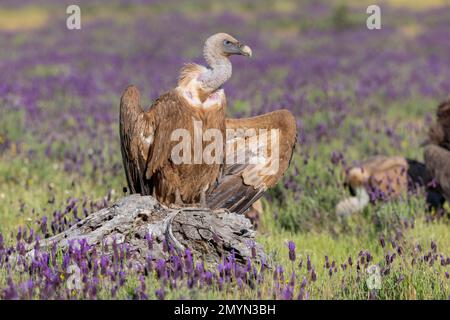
(209, 234)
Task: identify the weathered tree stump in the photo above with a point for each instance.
(209, 234)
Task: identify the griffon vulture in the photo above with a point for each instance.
(199, 97)
(386, 178)
(437, 152)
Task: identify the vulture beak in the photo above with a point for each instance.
(245, 50)
(238, 48)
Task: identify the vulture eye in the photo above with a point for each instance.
(226, 42)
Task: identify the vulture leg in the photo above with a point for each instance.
(178, 200)
(179, 203)
(202, 202)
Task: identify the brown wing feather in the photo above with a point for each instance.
(143, 137)
(168, 116)
(241, 184)
(437, 161)
(134, 149)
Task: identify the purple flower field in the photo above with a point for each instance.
(355, 93)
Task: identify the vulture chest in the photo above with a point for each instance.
(206, 128)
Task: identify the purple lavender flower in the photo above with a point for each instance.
(291, 246)
(288, 293)
(160, 294)
(313, 275)
(433, 246)
(383, 244)
(149, 239)
(308, 263)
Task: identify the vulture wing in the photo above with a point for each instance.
(261, 157)
(143, 137)
(437, 160)
(134, 145)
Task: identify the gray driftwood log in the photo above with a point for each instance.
(209, 234)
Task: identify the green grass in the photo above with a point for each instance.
(28, 182)
(310, 222)
(34, 185)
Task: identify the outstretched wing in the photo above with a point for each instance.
(258, 152)
(145, 136)
(437, 161)
(136, 137)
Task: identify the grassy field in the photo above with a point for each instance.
(355, 93)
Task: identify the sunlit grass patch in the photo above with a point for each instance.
(418, 4)
(23, 18)
(409, 4)
(40, 70)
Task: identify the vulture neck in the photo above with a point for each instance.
(219, 70)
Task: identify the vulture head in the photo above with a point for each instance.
(439, 133)
(198, 82)
(222, 44)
